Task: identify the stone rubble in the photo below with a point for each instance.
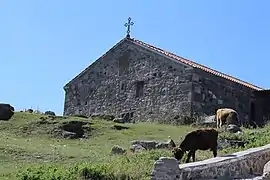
(117, 150)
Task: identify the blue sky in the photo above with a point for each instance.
(45, 43)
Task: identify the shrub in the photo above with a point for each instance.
(85, 171)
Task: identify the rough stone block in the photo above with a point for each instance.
(165, 168)
(239, 165)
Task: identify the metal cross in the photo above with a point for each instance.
(128, 24)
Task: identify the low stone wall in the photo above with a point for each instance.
(237, 165)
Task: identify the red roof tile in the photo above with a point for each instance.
(196, 65)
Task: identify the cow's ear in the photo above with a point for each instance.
(172, 143)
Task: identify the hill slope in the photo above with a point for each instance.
(32, 140)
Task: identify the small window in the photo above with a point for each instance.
(139, 88)
(164, 91)
(123, 86)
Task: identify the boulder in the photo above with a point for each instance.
(226, 143)
(51, 113)
(266, 171)
(30, 110)
(164, 145)
(6, 111)
(118, 150)
(137, 148)
(233, 128)
(165, 168)
(75, 127)
(119, 120)
(69, 135)
(146, 144)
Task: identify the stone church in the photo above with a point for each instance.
(143, 82)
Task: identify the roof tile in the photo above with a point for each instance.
(196, 65)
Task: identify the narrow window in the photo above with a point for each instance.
(122, 86)
(139, 88)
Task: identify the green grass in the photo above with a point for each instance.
(30, 149)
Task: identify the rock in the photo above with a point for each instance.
(222, 144)
(165, 168)
(233, 128)
(51, 113)
(118, 150)
(74, 127)
(119, 120)
(146, 144)
(137, 148)
(30, 110)
(69, 135)
(164, 145)
(118, 127)
(266, 171)
(6, 111)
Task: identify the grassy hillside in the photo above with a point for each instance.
(31, 147)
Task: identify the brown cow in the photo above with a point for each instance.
(201, 139)
(228, 115)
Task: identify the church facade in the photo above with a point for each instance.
(146, 83)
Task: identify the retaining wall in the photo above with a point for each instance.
(237, 165)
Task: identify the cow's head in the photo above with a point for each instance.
(178, 153)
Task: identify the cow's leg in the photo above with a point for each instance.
(188, 156)
(222, 120)
(217, 123)
(193, 155)
(214, 151)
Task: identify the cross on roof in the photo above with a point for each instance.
(128, 24)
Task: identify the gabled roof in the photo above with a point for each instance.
(196, 65)
(177, 58)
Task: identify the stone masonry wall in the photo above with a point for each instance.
(240, 165)
(145, 84)
(260, 112)
(211, 92)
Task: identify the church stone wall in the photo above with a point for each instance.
(132, 80)
(211, 92)
(146, 85)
